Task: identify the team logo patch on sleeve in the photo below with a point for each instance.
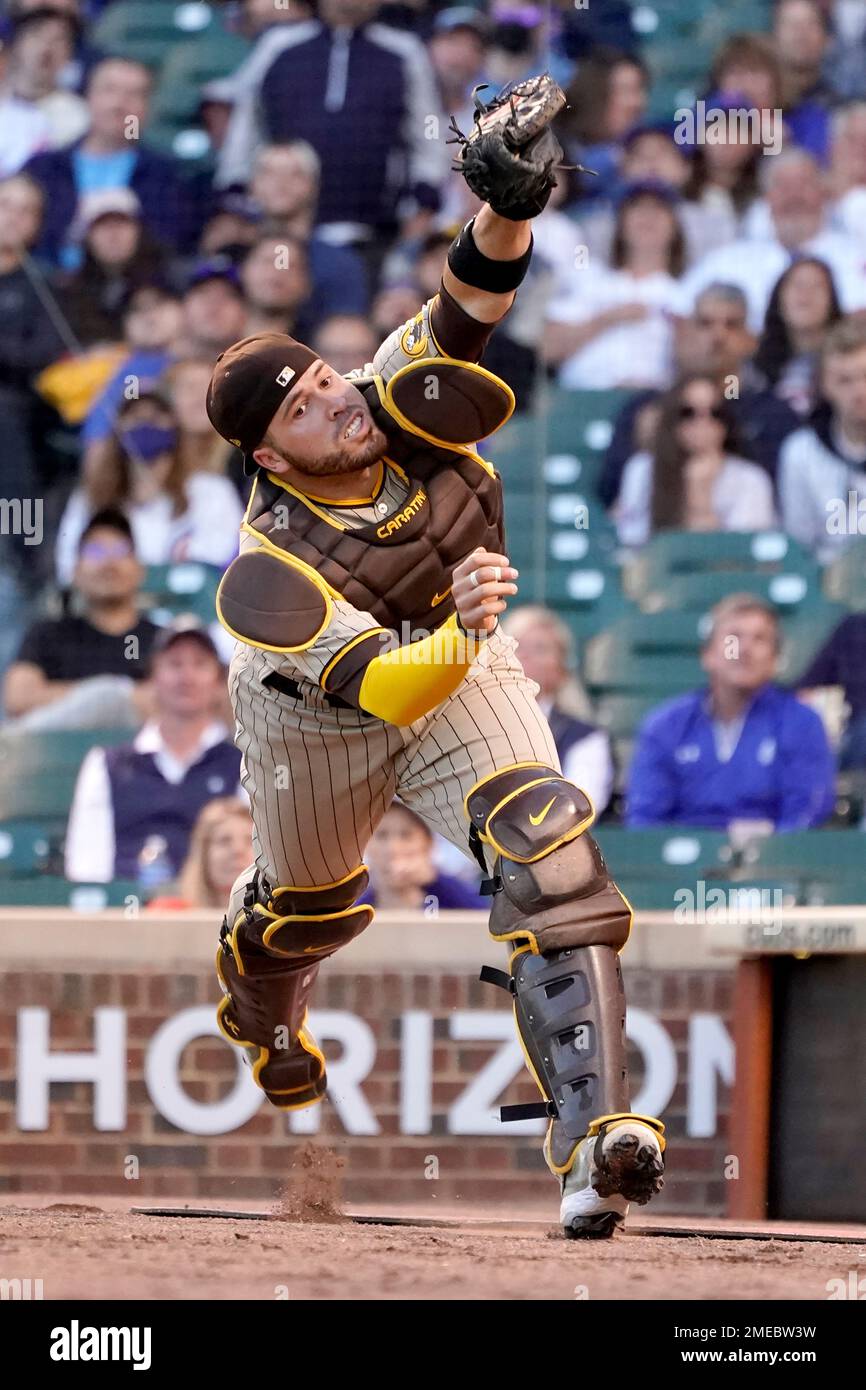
(414, 339)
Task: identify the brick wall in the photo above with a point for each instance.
(72, 1155)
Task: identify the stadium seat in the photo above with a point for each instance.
(676, 853)
(845, 578)
(615, 662)
(622, 715)
(736, 553)
(25, 847)
(579, 421)
(48, 891)
(587, 597)
(147, 29)
(647, 894)
(791, 592)
(186, 70)
(181, 590)
(38, 771)
(810, 854)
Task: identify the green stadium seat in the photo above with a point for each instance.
(849, 891)
(186, 70)
(38, 771)
(845, 578)
(48, 891)
(181, 590)
(25, 847)
(790, 592)
(679, 853)
(189, 144)
(148, 29)
(810, 854)
(587, 597)
(622, 715)
(614, 662)
(671, 553)
(647, 894)
(579, 422)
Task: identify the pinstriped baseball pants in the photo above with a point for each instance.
(320, 779)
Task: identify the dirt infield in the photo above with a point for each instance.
(98, 1250)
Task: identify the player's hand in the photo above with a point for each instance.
(479, 586)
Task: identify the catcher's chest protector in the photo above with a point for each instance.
(398, 568)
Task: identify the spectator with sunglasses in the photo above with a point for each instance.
(694, 478)
(88, 667)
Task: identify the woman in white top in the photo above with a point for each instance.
(693, 479)
(614, 326)
(174, 515)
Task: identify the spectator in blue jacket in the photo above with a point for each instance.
(742, 749)
(364, 96)
(112, 155)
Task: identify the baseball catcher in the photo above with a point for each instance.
(369, 664)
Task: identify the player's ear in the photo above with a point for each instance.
(268, 458)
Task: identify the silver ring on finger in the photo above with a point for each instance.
(497, 573)
(473, 579)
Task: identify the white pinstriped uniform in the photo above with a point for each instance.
(320, 778)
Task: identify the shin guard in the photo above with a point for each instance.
(268, 959)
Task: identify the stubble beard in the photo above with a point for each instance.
(341, 461)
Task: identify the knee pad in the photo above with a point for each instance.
(301, 923)
(552, 888)
(267, 963)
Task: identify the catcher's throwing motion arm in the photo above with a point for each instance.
(508, 161)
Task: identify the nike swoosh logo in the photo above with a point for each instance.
(437, 598)
(536, 820)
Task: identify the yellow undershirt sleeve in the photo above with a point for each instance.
(401, 685)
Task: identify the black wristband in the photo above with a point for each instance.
(475, 634)
(474, 268)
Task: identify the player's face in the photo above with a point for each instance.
(742, 653)
(323, 428)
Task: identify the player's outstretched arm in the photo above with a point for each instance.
(508, 160)
(497, 240)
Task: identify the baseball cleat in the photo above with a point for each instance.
(619, 1164)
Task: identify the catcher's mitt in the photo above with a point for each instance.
(509, 156)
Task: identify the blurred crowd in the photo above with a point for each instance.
(714, 267)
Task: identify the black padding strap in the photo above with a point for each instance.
(532, 1110)
(489, 975)
(477, 849)
(473, 268)
(286, 686)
